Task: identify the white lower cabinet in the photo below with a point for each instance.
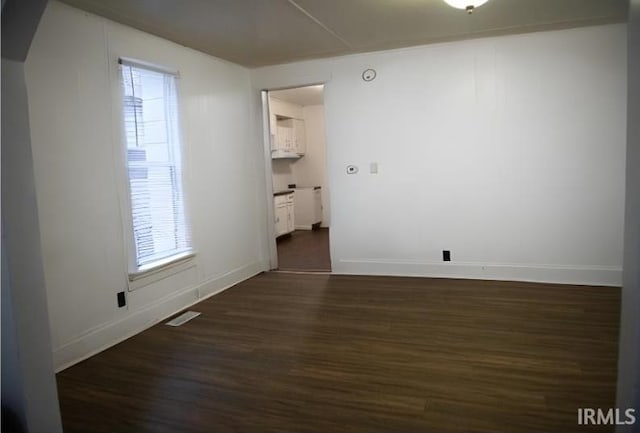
(284, 210)
(291, 223)
(281, 220)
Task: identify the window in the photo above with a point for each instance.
(154, 164)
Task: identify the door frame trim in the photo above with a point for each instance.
(268, 174)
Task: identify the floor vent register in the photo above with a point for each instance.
(183, 318)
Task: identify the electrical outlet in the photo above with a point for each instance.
(121, 300)
(446, 255)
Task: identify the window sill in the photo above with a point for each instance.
(160, 269)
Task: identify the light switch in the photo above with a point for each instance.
(373, 168)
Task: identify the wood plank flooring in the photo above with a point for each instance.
(305, 250)
(319, 353)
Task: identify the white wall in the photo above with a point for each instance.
(12, 383)
(312, 168)
(72, 78)
(28, 383)
(285, 108)
(508, 151)
(282, 171)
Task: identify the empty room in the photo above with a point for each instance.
(320, 216)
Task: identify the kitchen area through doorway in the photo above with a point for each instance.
(298, 162)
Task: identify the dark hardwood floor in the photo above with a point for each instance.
(305, 250)
(318, 353)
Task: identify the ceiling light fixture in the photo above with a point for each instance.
(468, 5)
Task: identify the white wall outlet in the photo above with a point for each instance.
(352, 169)
(373, 168)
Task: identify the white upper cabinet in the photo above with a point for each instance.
(288, 137)
(300, 137)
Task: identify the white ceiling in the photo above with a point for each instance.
(264, 32)
(309, 95)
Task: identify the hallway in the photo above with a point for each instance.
(305, 250)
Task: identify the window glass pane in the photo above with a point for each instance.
(154, 164)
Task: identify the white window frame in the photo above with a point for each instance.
(140, 276)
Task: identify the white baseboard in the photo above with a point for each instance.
(582, 275)
(112, 333)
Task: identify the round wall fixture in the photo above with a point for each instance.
(369, 75)
(468, 5)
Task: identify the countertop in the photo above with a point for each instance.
(283, 192)
(307, 187)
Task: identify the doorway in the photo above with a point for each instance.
(297, 163)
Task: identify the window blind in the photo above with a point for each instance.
(154, 163)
